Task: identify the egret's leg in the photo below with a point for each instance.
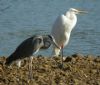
(62, 55)
(18, 62)
(30, 68)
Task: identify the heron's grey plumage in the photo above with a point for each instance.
(31, 46)
(25, 49)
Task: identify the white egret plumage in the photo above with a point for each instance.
(62, 28)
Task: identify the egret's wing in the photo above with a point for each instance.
(59, 28)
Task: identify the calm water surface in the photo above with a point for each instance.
(19, 19)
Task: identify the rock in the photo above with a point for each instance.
(90, 57)
(97, 60)
(77, 55)
(68, 59)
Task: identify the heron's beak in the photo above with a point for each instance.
(54, 43)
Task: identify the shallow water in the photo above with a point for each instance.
(19, 19)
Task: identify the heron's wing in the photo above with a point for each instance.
(25, 48)
(22, 51)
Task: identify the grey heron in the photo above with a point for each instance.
(31, 46)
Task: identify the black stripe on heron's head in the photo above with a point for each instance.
(50, 37)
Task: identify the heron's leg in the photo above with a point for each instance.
(18, 62)
(30, 68)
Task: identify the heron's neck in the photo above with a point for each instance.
(72, 19)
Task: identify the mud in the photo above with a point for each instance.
(77, 70)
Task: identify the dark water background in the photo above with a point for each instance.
(19, 19)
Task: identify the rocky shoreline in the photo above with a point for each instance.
(77, 70)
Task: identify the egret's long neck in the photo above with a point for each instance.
(72, 19)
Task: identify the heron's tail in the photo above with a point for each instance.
(10, 59)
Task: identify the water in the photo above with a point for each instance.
(19, 19)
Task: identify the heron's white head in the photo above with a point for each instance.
(76, 11)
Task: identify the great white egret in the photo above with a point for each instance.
(30, 46)
(62, 28)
